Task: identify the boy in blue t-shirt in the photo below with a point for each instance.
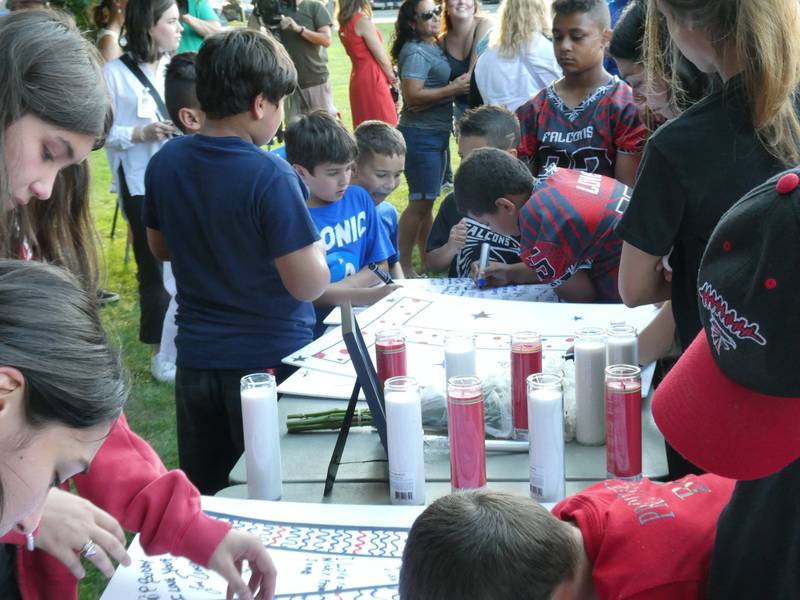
(378, 169)
(245, 253)
(322, 151)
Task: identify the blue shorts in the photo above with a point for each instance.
(425, 161)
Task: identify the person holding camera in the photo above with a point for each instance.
(304, 28)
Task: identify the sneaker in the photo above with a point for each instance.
(106, 297)
(161, 370)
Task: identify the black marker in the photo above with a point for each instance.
(381, 274)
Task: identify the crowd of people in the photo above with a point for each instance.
(666, 183)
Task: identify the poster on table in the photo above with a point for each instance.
(320, 551)
(425, 318)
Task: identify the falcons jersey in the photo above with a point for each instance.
(587, 137)
(569, 223)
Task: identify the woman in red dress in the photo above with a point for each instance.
(372, 75)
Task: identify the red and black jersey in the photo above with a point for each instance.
(569, 223)
(587, 137)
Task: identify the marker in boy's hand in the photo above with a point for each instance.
(495, 274)
(482, 264)
(384, 276)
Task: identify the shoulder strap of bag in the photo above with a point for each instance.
(163, 113)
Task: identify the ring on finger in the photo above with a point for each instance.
(89, 549)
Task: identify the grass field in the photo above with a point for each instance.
(151, 410)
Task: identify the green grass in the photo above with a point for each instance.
(151, 408)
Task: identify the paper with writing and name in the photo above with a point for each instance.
(465, 287)
(425, 318)
(320, 551)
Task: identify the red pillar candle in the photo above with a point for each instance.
(624, 422)
(526, 359)
(465, 428)
(390, 355)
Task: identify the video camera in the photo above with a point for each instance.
(270, 12)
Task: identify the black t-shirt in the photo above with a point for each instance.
(502, 248)
(694, 169)
(757, 548)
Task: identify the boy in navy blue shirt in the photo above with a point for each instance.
(378, 169)
(322, 152)
(245, 253)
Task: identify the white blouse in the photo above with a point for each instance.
(133, 107)
(512, 81)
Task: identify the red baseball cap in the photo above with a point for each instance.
(731, 404)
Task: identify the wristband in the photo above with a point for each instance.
(302, 30)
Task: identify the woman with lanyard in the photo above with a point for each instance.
(53, 109)
(426, 118)
(141, 126)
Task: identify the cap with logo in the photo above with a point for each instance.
(731, 404)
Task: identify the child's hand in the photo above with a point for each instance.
(460, 85)
(235, 548)
(458, 235)
(494, 275)
(380, 291)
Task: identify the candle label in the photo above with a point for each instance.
(526, 359)
(401, 487)
(624, 430)
(537, 482)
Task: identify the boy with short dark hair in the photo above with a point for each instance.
(246, 255)
(180, 94)
(627, 540)
(322, 152)
(454, 242)
(566, 220)
(587, 120)
(378, 169)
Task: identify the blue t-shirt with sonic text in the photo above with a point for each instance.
(354, 237)
(227, 210)
(352, 232)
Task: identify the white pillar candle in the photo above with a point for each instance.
(262, 440)
(590, 365)
(622, 346)
(546, 429)
(459, 356)
(405, 440)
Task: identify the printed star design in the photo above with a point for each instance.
(577, 318)
(481, 315)
(440, 364)
(299, 358)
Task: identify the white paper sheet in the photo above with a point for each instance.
(465, 287)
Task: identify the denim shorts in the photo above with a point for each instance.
(425, 161)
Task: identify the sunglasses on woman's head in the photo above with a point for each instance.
(427, 16)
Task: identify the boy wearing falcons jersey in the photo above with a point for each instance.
(566, 221)
(587, 120)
